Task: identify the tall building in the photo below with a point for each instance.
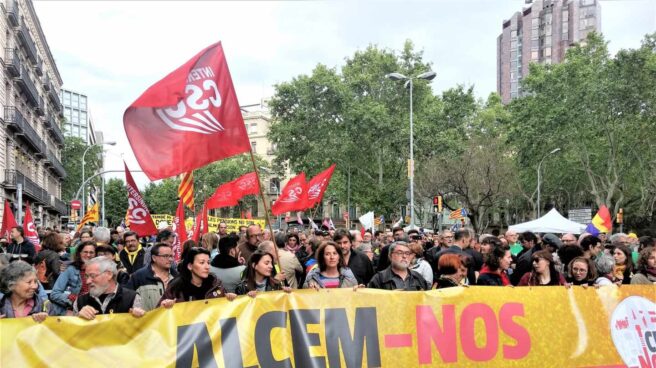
(541, 33)
(30, 136)
(79, 122)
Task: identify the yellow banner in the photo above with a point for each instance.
(213, 222)
(477, 326)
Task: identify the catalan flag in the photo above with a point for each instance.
(458, 214)
(186, 189)
(601, 222)
(379, 220)
(91, 216)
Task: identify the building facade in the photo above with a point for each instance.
(79, 122)
(541, 33)
(30, 135)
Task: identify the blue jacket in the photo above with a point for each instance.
(67, 283)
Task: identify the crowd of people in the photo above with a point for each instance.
(98, 271)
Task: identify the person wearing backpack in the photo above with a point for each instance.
(47, 262)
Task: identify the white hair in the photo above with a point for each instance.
(102, 235)
(104, 264)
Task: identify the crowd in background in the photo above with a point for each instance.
(101, 271)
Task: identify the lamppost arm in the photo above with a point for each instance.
(77, 194)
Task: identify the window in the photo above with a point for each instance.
(76, 130)
(587, 2)
(76, 117)
(547, 52)
(83, 103)
(252, 129)
(336, 212)
(254, 146)
(67, 98)
(75, 100)
(67, 114)
(534, 55)
(83, 117)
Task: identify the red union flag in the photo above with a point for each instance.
(188, 119)
(29, 229)
(292, 196)
(317, 186)
(230, 193)
(8, 222)
(138, 214)
(179, 230)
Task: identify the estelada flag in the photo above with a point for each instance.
(29, 229)
(292, 196)
(138, 215)
(8, 222)
(229, 194)
(188, 119)
(180, 231)
(317, 186)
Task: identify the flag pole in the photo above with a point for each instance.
(264, 202)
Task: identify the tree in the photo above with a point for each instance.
(71, 155)
(600, 111)
(162, 197)
(116, 201)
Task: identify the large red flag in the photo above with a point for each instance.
(29, 229)
(229, 194)
(201, 224)
(138, 214)
(188, 119)
(8, 222)
(317, 186)
(292, 196)
(179, 230)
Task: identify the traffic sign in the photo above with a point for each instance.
(76, 204)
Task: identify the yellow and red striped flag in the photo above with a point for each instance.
(186, 189)
(91, 216)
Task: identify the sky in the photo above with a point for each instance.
(113, 50)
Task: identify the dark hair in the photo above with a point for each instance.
(629, 259)
(20, 230)
(130, 233)
(341, 233)
(289, 236)
(86, 231)
(154, 251)
(322, 250)
(641, 266)
(528, 236)
(188, 244)
(413, 231)
(397, 228)
(280, 239)
(113, 232)
(163, 235)
(592, 270)
(646, 241)
(493, 241)
(52, 242)
(495, 255)
(588, 242)
(463, 233)
(184, 274)
(228, 242)
(105, 249)
(77, 260)
(554, 276)
(377, 233)
(568, 253)
(254, 259)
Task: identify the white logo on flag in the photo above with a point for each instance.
(192, 114)
(246, 183)
(315, 190)
(293, 195)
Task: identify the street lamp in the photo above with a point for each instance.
(540, 176)
(430, 75)
(83, 162)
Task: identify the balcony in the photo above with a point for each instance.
(55, 165)
(27, 87)
(27, 42)
(30, 188)
(59, 205)
(53, 96)
(46, 82)
(40, 107)
(15, 120)
(38, 68)
(53, 127)
(12, 62)
(13, 13)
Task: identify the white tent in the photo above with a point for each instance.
(552, 222)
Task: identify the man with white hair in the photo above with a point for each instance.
(105, 294)
(102, 236)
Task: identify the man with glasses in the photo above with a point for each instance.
(105, 295)
(398, 276)
(150, 282)
(251, 241)
(132, 256)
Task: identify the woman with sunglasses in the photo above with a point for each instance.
(195, 281)
(544, 271)
(259, 275)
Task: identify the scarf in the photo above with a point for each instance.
(293, 250)
(618, 272)
(505, 281)
(132, 256)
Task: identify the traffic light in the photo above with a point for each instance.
(437, 204)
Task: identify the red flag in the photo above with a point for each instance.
(8, 222)
(188, 119)
(292, 196)
(138, 214)
(200, 225)
(29, 229)
(249, 215)
(317, 186)
(230, 193)
(179, 230)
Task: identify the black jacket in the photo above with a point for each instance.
(24, 251)
(524, 264)
(121, 303)
(385, 280)
(138, 261)
(53, 263)
(489, 279)
(454, 249)
(361, 267)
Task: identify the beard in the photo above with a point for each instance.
(400, 265)
(97, 290)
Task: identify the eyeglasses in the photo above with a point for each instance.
(92, 275)
(165, 255)
(402, 254)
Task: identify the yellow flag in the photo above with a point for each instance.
(92, 215)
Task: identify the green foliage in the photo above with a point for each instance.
(72, 152)
(116, 201)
